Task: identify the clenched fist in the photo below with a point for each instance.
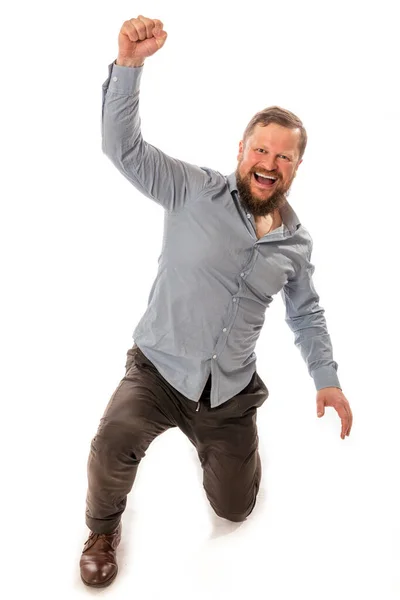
(138, 39)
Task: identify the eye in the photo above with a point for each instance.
(260, 150)
(283, 156)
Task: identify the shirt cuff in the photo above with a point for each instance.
(124, 80)
(325, 377)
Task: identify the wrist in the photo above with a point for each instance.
(129, 62)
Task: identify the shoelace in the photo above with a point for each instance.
(97, 536)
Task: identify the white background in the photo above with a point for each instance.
(79, 251)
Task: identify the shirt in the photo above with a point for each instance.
(215, 279)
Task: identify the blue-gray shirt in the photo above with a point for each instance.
(215, 279)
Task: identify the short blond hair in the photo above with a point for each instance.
(280, 116)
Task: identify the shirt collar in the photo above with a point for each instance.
(289, 217)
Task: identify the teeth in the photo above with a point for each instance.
(266, 176)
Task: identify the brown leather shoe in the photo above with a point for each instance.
(98, 561)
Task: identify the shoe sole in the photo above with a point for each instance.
(101, 585)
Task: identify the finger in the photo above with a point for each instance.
(351, 422)
(320, 408)
(343, 408)
(149, 25)
(344, 417)
(158, 24)
(135, 30)
(160, 36)
(129, 29)
(349, 414)
(141, 29)
(345, 426)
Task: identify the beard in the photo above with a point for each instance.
(257, 206)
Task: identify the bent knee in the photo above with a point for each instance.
(235, 517)
(235, 511)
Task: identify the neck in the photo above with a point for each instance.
(273, 220)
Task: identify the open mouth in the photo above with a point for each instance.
(266, 181)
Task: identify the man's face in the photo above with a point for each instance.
(272, 151)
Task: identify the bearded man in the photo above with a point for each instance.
(230, 244)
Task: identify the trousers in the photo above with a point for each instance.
(143, 406)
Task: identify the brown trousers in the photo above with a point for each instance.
(143, 406)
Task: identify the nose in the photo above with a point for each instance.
(269, 162)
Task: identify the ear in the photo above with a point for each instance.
(241, 147)
(298, 164)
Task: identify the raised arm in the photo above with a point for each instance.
(166, 180)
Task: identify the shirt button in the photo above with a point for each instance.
(234, 300)
(224, 329)
(241, 274)
(248, 216)
(215, 356)
(115, 78)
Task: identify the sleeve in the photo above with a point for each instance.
(306, 320)
(166, 180)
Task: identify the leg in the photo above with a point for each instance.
(231, 482)
(227, 443)
(136, 413)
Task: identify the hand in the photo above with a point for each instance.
(333, 396)
(138, 39)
